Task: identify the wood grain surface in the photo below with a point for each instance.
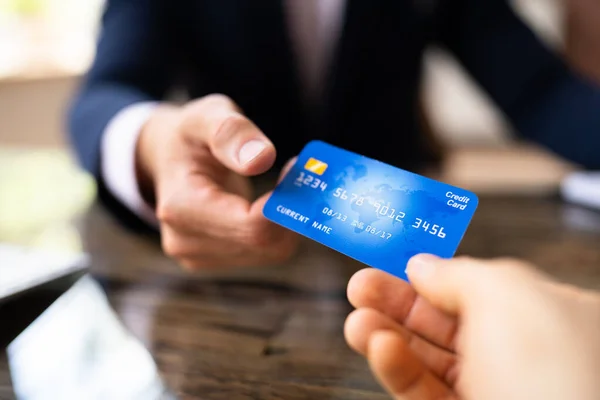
(277, 333)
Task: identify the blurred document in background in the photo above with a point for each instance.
(78, 349)
(24, 268)
(582, 188)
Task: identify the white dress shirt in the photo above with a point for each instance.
(314, 27)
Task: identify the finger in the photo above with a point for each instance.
(444, 283)
(286, 168)
(269, 229)
(401, 372)
(208, 263)
(233, 139)
(211, 212)
(205, 264)
(238, 185)
(362, 323)
(196, 204)
(453, 284)
(202, 251)
(395, 298)
(183, 245)
(196, 201)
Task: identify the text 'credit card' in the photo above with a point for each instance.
(370, 211)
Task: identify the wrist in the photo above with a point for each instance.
(159, 126)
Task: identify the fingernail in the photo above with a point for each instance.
(422, 266)
(250, 150)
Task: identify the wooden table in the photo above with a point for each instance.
(276, 333)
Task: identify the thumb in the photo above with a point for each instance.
(234, 140)
(446, 283)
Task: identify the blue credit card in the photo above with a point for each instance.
(370, 211)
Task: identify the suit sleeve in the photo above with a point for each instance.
(545, 101)
(132, 65)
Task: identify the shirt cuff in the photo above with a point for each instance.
(582, 188)
(118, 158)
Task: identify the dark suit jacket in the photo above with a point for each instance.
(241, 48)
